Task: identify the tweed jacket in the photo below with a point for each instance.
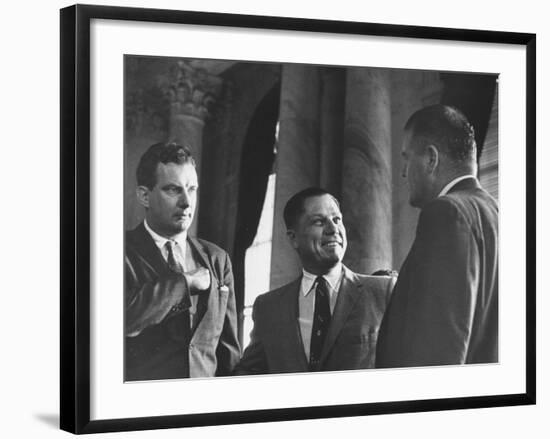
(158, 345)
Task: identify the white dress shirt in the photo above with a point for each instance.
(450, 185)
(179, 244)
(306, 301)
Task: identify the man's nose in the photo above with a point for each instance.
(330, 227)
(183, 200)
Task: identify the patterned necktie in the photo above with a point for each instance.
(176, 267)
(321, 322)
(173, 263)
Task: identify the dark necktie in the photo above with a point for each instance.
(321, 322)
(176, 267)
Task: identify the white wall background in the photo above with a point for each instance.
(29, 219)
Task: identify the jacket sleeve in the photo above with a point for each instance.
(254, 360)
(443, 287)
(228, 351)
(149, 298)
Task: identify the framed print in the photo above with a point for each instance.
(246, 220)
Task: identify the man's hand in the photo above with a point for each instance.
(198, 280)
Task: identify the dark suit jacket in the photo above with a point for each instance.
(276, 343)
(444, 309)
(157, 343)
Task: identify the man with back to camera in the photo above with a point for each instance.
(328, 318)
(444, 308)
(180, 312)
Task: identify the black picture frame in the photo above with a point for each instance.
(75, 217)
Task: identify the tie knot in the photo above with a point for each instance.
(321, 281)
(322, 285)
(173, 263)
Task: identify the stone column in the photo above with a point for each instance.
(191, 92)
(332, 108)
(366, 171)
(297, 162)
(216, 192)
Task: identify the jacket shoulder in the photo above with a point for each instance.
(464, 207)
(443, 214)
(133, 235)
(378, 288)
(137, 241)
(210, 247)
(373, 292)
(449, 203)
(278, 294)
(377, 283)
(466, 198)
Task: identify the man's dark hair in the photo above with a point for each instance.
(169, 152)
(447, 128)
(295, 206)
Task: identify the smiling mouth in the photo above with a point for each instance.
(332, 244)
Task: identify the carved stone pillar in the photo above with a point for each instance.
(297, 162)
(191, 92)
(366, 172)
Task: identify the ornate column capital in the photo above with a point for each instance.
(191, 91)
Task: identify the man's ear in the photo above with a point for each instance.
(432, 158)
(291, 237)
(142, 193)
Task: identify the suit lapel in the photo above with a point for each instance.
(290, 326)
(349, 293)
(203, 260)
(146, 248)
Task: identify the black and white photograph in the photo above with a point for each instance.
(285, 218)
(290, 219)
(270, 218)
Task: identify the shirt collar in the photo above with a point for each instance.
(160, 241)
(450, 185)
(333, 278)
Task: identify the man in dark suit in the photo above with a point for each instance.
(444, 308)
(327, 319)
(180, 313)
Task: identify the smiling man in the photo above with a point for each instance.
(180, 314)
(327, 319)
